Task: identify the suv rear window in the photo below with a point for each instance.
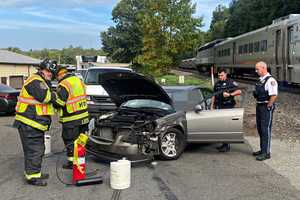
(92, 76)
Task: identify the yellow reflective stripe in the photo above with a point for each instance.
(70, 159)
(30, 176)
(31, 123)
(48, 97)
(28, 100)
(60, 102)
(75, 99)
(74, 117)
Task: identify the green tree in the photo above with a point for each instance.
(248, 15)
(123, 42)
(169, 31)
(219, 18)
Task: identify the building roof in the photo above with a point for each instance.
(9, 57)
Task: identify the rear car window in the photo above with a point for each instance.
(92, 76)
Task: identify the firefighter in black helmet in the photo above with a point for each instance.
(72, 107)
(33, 119)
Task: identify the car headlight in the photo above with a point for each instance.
(88, 98)
(105, 116)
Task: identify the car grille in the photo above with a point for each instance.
(101, 99)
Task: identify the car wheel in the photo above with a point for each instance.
(172, 144)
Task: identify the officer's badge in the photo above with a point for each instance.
(224, 84)
(43, 86)
(273, 83)
(235, 83)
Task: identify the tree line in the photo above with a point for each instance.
(246, 15)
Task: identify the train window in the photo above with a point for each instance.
(251, 48)
(256, 47)
(264, 45)
(245, 48)
(240, 49)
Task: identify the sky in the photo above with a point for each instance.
(38, 24)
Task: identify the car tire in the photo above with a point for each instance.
(171, 144)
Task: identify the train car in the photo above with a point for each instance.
(188, 63)
(205, 55)
(277, 44)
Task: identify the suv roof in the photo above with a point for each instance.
(110, 67)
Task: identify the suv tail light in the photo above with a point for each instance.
(7, 96)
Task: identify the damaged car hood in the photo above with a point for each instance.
(124, 86)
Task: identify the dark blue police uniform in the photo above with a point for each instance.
(222, 102)
(264, 114)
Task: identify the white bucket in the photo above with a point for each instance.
(47, 144)
(120, 174)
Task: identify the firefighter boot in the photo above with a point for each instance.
(37, 182)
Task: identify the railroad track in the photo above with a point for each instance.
(294, 89)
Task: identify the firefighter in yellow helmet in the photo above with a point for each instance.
(33, 118)
(71, 103)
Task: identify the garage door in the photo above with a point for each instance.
(16, 81)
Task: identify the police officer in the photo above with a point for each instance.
(226, 89)
(33, 118)
(72, 106)
(266, 91)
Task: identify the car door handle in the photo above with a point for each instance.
(235, 118)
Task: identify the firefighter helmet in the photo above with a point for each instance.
(48, 64)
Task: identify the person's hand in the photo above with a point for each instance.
(226, 94)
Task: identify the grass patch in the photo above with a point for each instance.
(172, 79)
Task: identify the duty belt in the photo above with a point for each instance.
(262, 102)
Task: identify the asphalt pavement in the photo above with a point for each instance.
(200, 173)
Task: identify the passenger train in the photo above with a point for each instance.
(277, 44)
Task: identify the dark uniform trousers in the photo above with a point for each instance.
(264, 116)
(70, 134)
(33, 148)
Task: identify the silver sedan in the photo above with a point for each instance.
(204, 125)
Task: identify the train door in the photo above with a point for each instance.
(233, 53)
(278, 55)
(290, 52)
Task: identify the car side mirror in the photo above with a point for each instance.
(198, 108)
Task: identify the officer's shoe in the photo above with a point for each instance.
(224, 148)
(37, 182)
(68, 165)
(263, 156)
(45, 176)
(256, 153)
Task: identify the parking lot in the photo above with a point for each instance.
(200, 173)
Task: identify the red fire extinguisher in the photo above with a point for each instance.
(79, 158)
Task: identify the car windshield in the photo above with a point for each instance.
(82, 72)
(5, 88)
(178, 95)
(147, 103)
(92, 76)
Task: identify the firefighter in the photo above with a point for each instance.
(71, 103)
(33, 119)
(225, 99)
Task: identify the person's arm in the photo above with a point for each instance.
(272, 100)
(62, 97)
(234, 93)
(40, 91)
(212, 103)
